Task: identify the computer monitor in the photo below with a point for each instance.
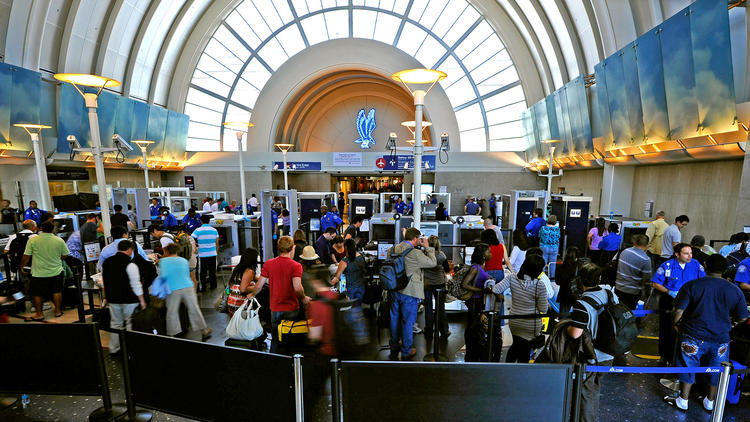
(383, 232)
(431, 230)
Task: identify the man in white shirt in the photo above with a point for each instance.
(253, 202)
(157, 231)
(214, 206)
(29, 228)
(207, 205)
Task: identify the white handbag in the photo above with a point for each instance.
(245, 323)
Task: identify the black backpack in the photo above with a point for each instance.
(617, 328)
(609, 270)
(561, 348)
(17, 248)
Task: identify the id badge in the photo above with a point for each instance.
(667, 273)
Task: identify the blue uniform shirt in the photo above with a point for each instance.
(743, 272)
(192, 223)
(532, 229)
(154, 210)
(472, 208)
(399, 207)
(673, 277)
(33, 214)
(611, 242)
(329, 220)
(409, 208)
(169, 221)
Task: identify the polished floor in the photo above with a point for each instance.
(625, 397)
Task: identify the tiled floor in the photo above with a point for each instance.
(625, 397)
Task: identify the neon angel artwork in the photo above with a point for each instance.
(365, 127)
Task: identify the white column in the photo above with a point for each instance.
(617, 190)
(242, 175)
(101, 182)
(286, 182)
(41, 173)
(418, 150)
(145, 166)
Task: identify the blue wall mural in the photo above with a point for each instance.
(20, 92)
(651, 84)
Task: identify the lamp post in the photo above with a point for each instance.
(143, 145)
(284, 149)
(240, 129)
(549, 174)
(91, 98)
(421, 77)
(34, 130)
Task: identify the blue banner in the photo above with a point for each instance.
(406, 162)
(618, 112)
(175, 138)
(712, 58)
(578, 102)
(633, 95)
(298, 165)
(651, 85)
(563, 120)
(679, 81)
(25, 94)
(605, 124)
(5, 84)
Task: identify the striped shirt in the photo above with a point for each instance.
(633, 271)
(206, 237)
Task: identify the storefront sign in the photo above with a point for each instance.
(298, 165)
(347, 159)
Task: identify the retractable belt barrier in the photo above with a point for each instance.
(725, 370)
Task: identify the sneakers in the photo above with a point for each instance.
(708, 404)
(415, 329)
(677, 402)
(206, 333)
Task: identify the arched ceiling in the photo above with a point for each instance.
(153, 47)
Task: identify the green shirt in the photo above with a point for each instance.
(47, 251)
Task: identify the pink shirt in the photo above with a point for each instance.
(595, 238)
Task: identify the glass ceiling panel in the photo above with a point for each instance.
(478, 51)
(514, 144)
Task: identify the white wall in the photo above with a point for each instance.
(26, 174)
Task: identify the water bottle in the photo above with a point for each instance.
(25, 400)
(342, 284)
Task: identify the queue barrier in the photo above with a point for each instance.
(38, 367)
(388, 391)
(209, 382)
(725, 370)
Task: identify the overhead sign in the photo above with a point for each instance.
(404, 162)
(67, 174)
(298, 165)
(190, 182)
(347, 159)
(365, 127)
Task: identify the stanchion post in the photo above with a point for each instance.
(435, 356)
(299, 396)
(490, 344)
(579, 371)
(79, 297)
(336, 390)
(107, 412)
(133, 414)
(721, 394)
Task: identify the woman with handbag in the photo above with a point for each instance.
(529, 297)
(474, 281)
(242, 280)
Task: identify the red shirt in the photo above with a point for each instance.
(280, 272)
(496, 263)
(321, 314)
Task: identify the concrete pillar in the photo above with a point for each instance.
(617, 189)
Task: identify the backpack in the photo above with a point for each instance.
(617, 329)
(609, 270)
(186, 248)
(737, 258)
(350, 327)
(17, 248)
(454, 284)
(393, 271)
(561, 348)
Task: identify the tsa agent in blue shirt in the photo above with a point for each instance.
(472, 208)
(611, 242)
(409, 209)
(191, 220)
(536, 223)
(399, 206)
(33, 213)
(154, 208)
(168, 219)
(742, 278)
(328, 219)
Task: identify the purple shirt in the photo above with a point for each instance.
(595, 238)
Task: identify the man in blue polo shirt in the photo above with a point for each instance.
(33, 213)
(329, 219)
(472, 208)
(399, 205)
(153, 209)
(191, 220)
(536, 223)
(668, 279)
(409, 208)
(208, 244)
(169, 221)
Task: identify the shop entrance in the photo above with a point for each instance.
(368, 184)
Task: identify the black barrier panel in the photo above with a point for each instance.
(51, 359)
(208, 382)
(391, 391)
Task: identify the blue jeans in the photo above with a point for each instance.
(498, 275)
(403, 317)
(691, 351)
(550, 258)
(276, 318)
(355, 292)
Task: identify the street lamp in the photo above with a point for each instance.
(240, 129)
(284, 148)
(99, 82)
(34, 130)
(549, 174)
(420, 77)
(143, 145)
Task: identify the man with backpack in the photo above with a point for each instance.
(207, 238)
(17, 243)
(405, 302)
(585, 316)
(633, 272)
(703, 313)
